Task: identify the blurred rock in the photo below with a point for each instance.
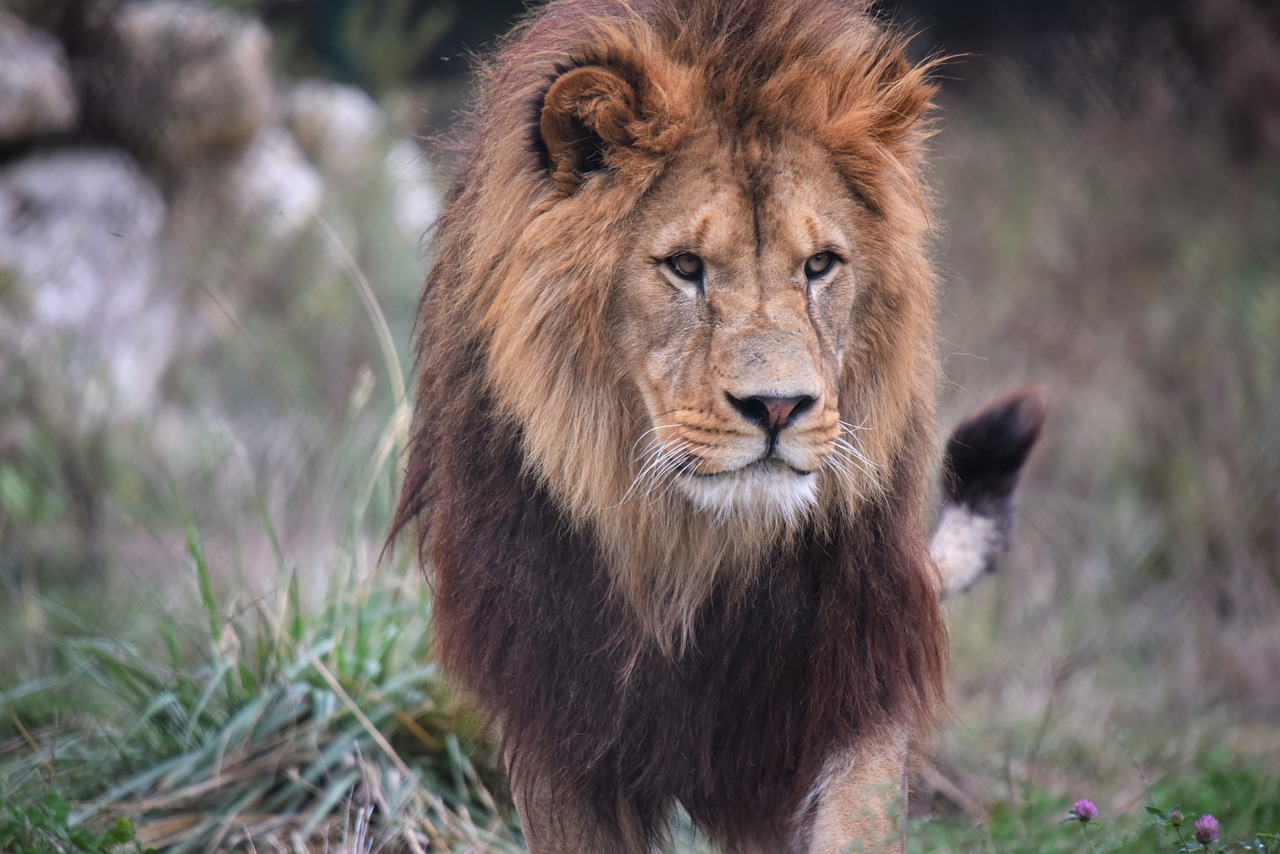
(36, 95)
(185, 82)
(415, 199)
(269, 193)
(274, 186)
(339, 127)
(80, 301)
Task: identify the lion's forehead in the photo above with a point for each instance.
(773, 210)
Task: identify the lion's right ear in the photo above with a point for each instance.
(588, 113)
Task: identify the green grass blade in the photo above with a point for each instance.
(196, 549)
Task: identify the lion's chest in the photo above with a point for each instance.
(525, 620)
(733, 727)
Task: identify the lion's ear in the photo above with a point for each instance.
(586, 112)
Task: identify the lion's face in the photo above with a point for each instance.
(734, 310)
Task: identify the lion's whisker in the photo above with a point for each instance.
(656, 464)
(651, 431)
(673, 459)
(652, 459)
(851, 443)
(851, 455)
(853, 451)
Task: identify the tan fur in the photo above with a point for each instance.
(861, 800)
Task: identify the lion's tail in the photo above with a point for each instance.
(984, 458)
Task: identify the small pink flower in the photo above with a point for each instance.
(1206, 829)
(1175, 818)
(1085, 811)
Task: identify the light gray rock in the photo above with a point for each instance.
(82, 301)
(415, 197)
(269, 193)
(338, 126)
(186, 82)
(274, 187)
(36, 95)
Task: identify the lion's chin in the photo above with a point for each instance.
(768, 491)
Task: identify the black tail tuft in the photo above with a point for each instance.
(986, 452)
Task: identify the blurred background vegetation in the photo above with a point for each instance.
(196, 634)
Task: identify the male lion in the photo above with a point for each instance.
(674, 421)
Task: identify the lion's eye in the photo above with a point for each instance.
(819, 264)
(687, 266)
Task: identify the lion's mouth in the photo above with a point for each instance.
(768, 464)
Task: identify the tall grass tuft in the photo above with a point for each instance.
(269, 723)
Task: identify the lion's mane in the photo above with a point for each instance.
(631, 646)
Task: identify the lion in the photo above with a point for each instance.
(674, 422)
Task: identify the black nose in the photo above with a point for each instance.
(771, 413)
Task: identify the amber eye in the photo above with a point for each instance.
(819, 264)
(687, 266)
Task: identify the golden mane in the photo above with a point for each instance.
(528, 307)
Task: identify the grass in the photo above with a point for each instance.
(264, 723)
(1241, 793)
(239, 672)
(47, 826)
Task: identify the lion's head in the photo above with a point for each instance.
(687, 267)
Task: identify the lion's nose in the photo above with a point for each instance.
(771, 413)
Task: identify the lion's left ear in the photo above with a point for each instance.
(588, 113)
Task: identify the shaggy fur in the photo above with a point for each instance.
(650, 613)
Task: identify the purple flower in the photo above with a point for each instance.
(1085, 811)
(1175, 818)
(1206, 829)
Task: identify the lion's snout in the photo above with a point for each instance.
(773, 379)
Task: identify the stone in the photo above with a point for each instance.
(415, 198)
(274, 186)
(81, 302)
(270, 193)
(338, 126)
(186, 83)
(37, 98)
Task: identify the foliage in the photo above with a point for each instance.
(268, 719)
(1239, 792)
(45, 827)
(1119, 255)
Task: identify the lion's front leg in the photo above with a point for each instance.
(861, 797)
(557, 821)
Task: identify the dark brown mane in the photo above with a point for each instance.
(842, 634)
